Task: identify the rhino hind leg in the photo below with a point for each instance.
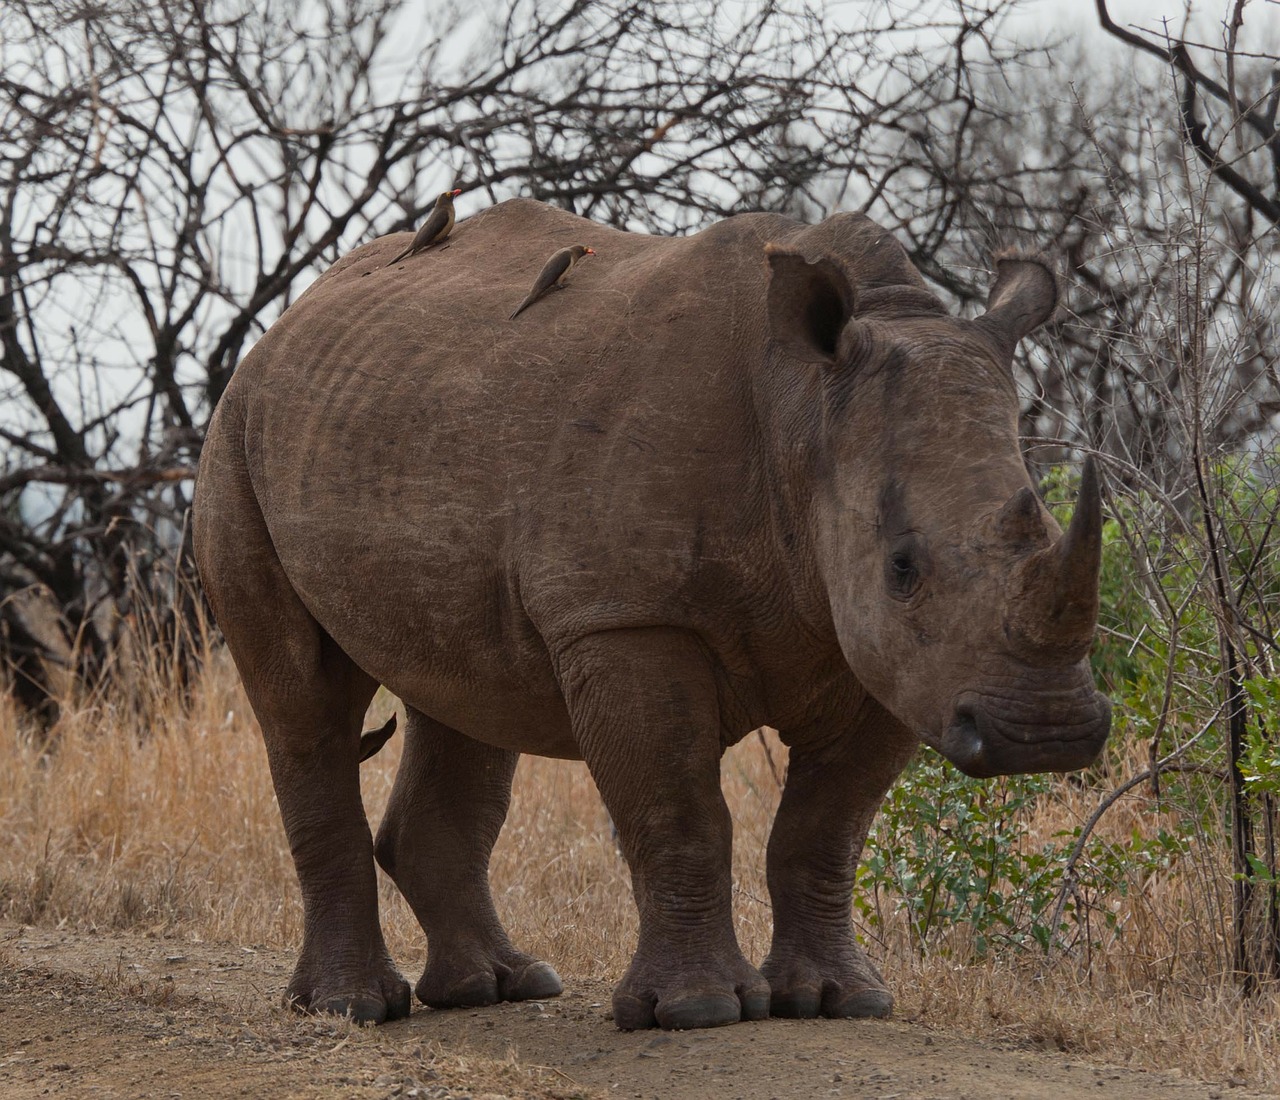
(815, 965)
(447, 807)
(646, 717)
(309, 698)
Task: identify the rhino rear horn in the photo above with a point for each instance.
(1020, 520)
(1023, 296)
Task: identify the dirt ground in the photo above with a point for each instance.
(109, 1015)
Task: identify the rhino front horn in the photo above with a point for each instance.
(1080, 549)
(1055, 601)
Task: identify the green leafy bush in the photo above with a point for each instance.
(947, 852)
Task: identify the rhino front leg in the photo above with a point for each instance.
(644, 711)
(446, 810)
(836, 780)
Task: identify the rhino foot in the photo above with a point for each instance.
(514, 977)
(684, 1004)
(370, 998)
(803, 989)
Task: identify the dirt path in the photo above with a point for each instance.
(129, 1016)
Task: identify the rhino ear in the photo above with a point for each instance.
(810, 302)
(1023, 297)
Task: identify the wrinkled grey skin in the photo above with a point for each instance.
(710, 487)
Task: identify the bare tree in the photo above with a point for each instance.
(1239, 141)
(1088, 162)
(173, 174)
(1160, 189)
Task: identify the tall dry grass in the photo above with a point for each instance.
(156, 813)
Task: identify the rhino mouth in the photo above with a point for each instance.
(992, 734)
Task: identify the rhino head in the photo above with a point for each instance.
(957, 600)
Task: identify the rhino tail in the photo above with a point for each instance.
(373, 740)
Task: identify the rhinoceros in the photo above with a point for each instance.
(755, 476)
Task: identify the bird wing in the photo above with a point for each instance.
(438, 222)
(431, 228)
(552, 270)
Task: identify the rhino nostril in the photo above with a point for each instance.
(965, 736)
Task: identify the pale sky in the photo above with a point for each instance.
(1207, 15)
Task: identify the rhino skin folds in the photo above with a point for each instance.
(754, 476)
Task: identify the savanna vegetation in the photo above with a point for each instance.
(171, 177)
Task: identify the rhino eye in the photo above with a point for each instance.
(902, 574)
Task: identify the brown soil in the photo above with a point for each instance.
(110, 1015)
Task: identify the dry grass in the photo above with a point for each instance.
(158, 816)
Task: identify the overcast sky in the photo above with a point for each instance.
(1207, 15)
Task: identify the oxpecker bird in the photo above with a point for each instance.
(553, 273)
(438, 225)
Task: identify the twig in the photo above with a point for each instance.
(1168, 764)
(768, 755)
(62, 475)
